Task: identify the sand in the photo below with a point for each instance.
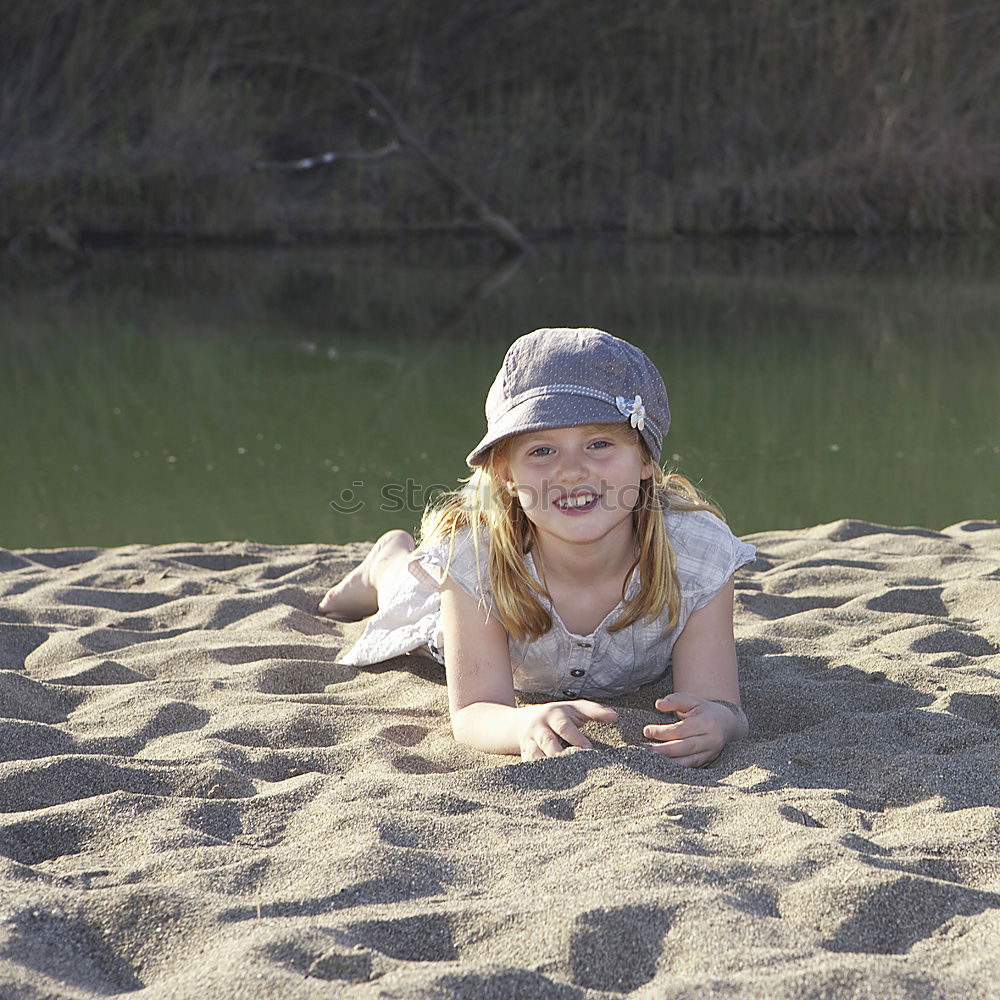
(197, 801)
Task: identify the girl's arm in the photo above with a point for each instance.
(706, 694)
(481, 689)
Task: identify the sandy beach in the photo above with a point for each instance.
(197, 801)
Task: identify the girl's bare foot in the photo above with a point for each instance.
(356, 596)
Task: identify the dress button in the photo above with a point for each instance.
(568, 693)
(578, 672)
(585, 645)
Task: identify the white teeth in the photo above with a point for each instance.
(578, 501)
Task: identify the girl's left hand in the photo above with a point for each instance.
(703, 729)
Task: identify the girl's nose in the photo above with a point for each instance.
(573, 465)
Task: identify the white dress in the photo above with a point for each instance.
(560, 663)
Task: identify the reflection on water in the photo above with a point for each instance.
(205, 395)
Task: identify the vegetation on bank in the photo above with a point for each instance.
(171, 117)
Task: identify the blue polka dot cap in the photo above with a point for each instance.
(564, 378)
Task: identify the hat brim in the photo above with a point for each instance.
(542, 413)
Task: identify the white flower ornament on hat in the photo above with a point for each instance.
(559, 377)
(633, 409)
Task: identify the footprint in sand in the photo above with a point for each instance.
(18, 641)
(333, 964)
(32, 841)
(218, 562)
(910, 601)
(113, 600)
(773, 606)
(302, 677)
(105, 672)
(426, 937)
(59, 558)
(39, 784)
(21, 740)
(221, 821)
(953, 640)
(874, 926)
(559, 807)
(322, 953)
(404, 735)
(404, 834)
(598, 960)
(981, 708)
(23, 698)
(403, 883)
(412, 763)
(68, 949)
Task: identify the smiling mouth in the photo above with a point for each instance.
(580, 502)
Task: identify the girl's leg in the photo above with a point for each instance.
(357, 595)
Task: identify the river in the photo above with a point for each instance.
(324, 394)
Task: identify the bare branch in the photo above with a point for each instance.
(499, 225)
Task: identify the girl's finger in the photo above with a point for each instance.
(681, 748)
(591, 710)
(565, 728)
(672, 731)
(550, 744)
(679, 701)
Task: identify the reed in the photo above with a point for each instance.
(776, 117)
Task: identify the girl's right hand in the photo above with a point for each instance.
(546, 729)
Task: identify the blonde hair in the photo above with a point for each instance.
(484, 503)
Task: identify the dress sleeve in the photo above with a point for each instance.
(465, 561)
(708, 554)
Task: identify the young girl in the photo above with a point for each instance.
(570, 564)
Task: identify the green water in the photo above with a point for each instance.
(202, 395)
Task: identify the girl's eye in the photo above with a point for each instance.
(540, 452)
(600, 444)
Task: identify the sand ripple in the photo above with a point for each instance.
(197, 800)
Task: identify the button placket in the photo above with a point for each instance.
(580, 656)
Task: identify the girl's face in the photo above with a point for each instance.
(577, 484)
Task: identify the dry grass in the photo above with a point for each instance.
(567, 115)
